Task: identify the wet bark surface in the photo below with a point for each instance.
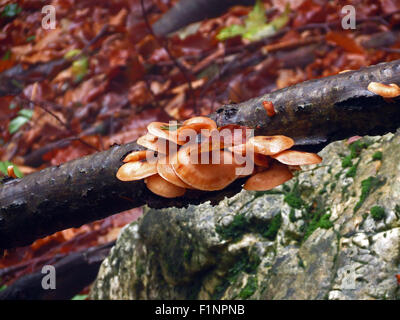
(314, 113)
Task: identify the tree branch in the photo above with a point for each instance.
(73, 273)
(314, 113)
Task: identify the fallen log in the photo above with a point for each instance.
(314, 113)
(73, 273)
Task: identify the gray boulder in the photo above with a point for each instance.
(332, 232)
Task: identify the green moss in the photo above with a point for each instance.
(318, 222)
(245, 263)
(377, 213)
(292, 215)
(273, 227)
(357, 146)
(351, 173)
(347, 162)
(367, 186)
(249, 289)
(187, 254)
(240, 225)
(333, 186)
(286, 188)
(139, 269)
(377, 156)
(293, 200)
(234, 230)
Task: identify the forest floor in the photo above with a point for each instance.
(115, 77)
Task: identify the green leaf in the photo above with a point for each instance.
(3, 287)
(3, 167)
(256, 17)
(11, 10)
(282, 20)
(27, 113)
(80, 68)
(23, 117)
(5, 164)
(72, 53)
(230, 32)
(255, 25)
(80, 297)
(30, 38)
(16, 123)
(7, 55)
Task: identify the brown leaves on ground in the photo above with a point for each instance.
(119, 77)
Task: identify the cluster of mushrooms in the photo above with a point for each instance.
(168, 169)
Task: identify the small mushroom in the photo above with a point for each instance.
(11, 172)
(297, 158)
(194, 126)
(166, 171)
(384, 90)
(157, 144)
(202, 176)
(274, 176)
(164, 131)
(201, 123)
(266, 145)
(163, 188)
(269, 108)
(136, 170)
(136, 155)
(148, 141)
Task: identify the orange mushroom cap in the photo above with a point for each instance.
(208, 177)
(163, 188)
(266, 180)
(200, 122)
(136, 170)
(293, 158)
(266, 145)
(165, 131)
(270, 145)
(148, 141)
(157, 144)
(166, 171)
(11, 172)
(384, 90)
(136, 155)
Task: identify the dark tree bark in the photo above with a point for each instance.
(314, 113)
(73, 273)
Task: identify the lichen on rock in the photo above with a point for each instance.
(332, 232)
